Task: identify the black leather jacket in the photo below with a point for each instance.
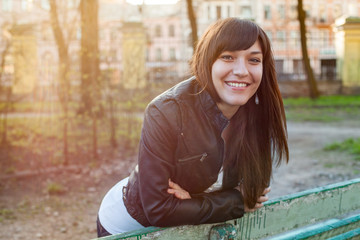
(181, 140)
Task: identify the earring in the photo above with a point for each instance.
(256, 99)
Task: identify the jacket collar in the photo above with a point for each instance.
(211, 110)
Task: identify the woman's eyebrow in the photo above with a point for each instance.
(256, 52)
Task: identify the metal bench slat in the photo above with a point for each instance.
(353, 234)
(323, 230)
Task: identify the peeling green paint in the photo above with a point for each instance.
(222, 231)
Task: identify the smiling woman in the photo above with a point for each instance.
(207, 144)
(152, 2)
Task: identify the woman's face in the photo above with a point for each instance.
(236, 76)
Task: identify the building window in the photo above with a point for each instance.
(337, 10)
(209, 12)
(228, 11)
(307, 9)
(6, 5)
(172, 54)
(294, 39)
(322, 14)
(312, 38)
(158, 31)
(171, 30)
(45, 4)
(113, 34)
(293, 12)
(324, 38)
(281, 35)
(298, 66)
(267, 12)
(269, 34)
(281, 11)
(245, 12)
(218, 12)
(279, 66)
(72, 3)
(158, 54)
(26, 5)
(328, 69)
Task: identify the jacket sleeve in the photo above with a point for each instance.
(156, 166)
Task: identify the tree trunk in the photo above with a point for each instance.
(5, 112)
(112, 122)
(89, 55)
(3, 56)
(8, 92)
(192, 19)
(314, 93)
(90, 64)
(65, 140)
(94, 126)
(63, 73)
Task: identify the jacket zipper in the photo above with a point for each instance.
(224, 150)
(201, 156)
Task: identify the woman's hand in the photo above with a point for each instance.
(176, 190)
(263, 198)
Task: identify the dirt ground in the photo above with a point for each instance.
(27, 211)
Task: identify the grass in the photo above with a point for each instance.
(323, 109)
(324, 101)
(313, 115)
(350, 145)
(54, 188)
(6, 213)
(330, 165)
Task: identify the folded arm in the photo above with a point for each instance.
(157, 166)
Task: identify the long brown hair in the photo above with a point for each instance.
(260, 137)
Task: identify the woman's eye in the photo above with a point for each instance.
(226, 57)
(255, 60)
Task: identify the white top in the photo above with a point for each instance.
(218, 184)
(113, 215)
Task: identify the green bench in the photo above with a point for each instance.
(329, 212)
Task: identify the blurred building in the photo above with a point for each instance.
(167, 42)
(32, 60)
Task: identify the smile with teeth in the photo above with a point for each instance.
(236, 84)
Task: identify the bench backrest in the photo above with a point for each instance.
(277, 216)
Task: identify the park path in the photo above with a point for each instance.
(309, 165)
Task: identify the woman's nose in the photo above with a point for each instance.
(240, 68)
